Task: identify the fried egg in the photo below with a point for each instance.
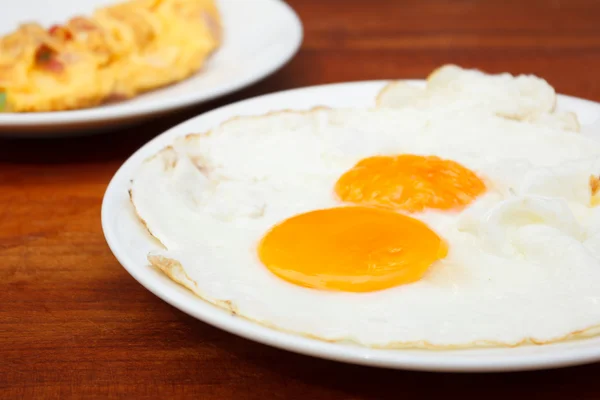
(386, 227)
(524, 98)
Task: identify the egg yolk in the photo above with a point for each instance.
(409, 182)
(355, 249)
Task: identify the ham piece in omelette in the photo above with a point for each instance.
(117, 53)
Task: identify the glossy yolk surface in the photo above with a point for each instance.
(409, 182)
(356, 249)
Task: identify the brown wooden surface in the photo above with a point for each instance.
(73, 323)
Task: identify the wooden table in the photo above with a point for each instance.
(73, 323)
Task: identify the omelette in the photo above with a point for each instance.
(119, 52)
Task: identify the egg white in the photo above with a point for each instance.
(523, 97)
(523, 263)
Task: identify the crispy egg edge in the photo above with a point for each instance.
(175, 271)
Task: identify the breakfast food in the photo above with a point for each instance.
(119, 52)
(523, 98)
(415, 226)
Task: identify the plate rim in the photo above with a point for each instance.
(130, 112)
(465, 360)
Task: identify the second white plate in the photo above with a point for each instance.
(130, 243)
(259, 37)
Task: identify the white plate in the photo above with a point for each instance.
(259, 37)
(130, 243)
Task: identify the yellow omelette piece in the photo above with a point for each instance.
(117, 53)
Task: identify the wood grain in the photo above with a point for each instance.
(74, 324)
